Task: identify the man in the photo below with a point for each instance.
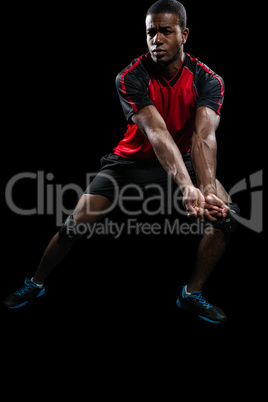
(172, 104)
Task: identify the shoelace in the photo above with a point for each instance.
(201, 299)
(27, 285)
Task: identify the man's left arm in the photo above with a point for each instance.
(204, 149)
(204, 157)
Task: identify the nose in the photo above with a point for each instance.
(157, 39)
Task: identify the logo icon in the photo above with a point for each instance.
(255, 222)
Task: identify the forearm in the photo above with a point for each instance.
(204, 149)
(169, 156)
(154, 128)
(204, 159)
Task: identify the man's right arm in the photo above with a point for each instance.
(151, 123)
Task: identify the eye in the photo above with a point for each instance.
(151, 33)
(166, 32)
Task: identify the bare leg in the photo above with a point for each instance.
(54, 253)
(210, 250)
(52, 256)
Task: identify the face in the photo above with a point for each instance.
(165, 38)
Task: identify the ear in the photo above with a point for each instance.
(185, 34)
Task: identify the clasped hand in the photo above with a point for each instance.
(208, 207)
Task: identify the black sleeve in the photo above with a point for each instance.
(132, 87)
(210, 89)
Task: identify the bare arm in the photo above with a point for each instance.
(204, 156)
(151, 123)
(204, 149)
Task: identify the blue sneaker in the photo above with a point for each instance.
(196, 304)
(22, 296)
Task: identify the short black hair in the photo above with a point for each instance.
(169, 7)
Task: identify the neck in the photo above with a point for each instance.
(168, 70)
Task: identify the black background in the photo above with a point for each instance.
(113, 301)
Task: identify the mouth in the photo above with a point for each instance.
(158, 52)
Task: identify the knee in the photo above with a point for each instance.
(68, 232)
(74, 227)
(87, 211)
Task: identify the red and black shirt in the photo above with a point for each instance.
(141, 85)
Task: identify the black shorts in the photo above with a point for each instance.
(133, 177)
